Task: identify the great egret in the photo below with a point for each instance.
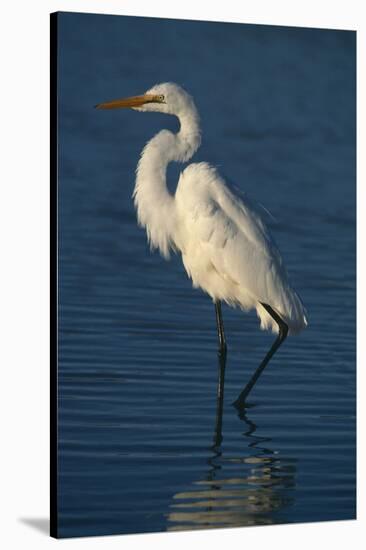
(226, 248)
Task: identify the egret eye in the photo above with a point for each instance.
(161, 97)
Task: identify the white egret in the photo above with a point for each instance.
(226, 248)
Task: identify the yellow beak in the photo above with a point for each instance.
(134, 101)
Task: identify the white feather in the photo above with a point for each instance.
(226, 248)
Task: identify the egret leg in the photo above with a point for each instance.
(220, 400)
(220, 329)
(282, 334)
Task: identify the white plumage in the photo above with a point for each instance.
(228, 251)
(226, 248)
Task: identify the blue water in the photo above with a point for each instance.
(137, 345)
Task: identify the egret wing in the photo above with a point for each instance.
(231, 232)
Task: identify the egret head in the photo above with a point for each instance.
(166, 98)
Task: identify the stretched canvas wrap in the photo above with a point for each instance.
(170, 408)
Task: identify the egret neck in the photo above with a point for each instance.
(151, 185)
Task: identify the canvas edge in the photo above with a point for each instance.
(53, 275)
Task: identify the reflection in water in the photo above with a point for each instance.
(252, 488)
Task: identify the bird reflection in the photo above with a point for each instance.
(252, 487)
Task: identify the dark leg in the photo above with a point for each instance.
(283, 330)
(220, 329)
(220, 400)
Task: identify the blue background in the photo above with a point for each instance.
(137, 345)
